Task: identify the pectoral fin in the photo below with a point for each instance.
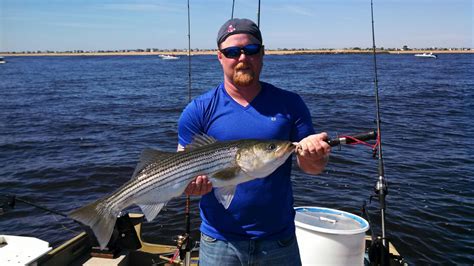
(151, 210)
(225, 195)
(151, 204)
(228, 173)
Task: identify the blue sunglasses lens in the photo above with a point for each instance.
(235, 51)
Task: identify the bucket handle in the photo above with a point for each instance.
(325, 219)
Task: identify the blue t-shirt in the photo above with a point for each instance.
(261, 208)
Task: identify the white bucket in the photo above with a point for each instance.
(330, 237)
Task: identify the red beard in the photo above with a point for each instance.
(243, 75)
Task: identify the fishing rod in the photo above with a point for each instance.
(233, 4)
(124, 235)
(352, 139)
(189, 54)
(9, 201)
(258, 14)
(183, 243)
(381, 188)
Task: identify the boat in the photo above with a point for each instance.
(126, 246)
(168, 57)
(129, 249)
(325, 236)
(2, 60)
(426, 55)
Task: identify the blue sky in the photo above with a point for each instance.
(126, 24)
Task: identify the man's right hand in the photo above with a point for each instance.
(199, 186)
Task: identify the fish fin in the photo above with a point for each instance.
(200, 140)
(151, 210)
(148, 157)
(99, 217)
(225, 195)
(227, 173)
(154, 200)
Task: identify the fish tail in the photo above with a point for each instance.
(100, 217)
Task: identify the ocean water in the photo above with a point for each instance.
(72, 130)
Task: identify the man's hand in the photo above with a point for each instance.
(199, 186)
(313, 153)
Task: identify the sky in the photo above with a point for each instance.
(64, 25)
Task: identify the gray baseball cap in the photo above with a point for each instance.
(236, 26)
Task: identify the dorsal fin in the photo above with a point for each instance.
(200, 140)
(148, 157)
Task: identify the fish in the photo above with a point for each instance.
(160, 176)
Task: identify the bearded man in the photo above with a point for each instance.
(258, 227)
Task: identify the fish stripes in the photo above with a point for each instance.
(173, 170)
(162, 176)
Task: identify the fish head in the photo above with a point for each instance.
(259, 158)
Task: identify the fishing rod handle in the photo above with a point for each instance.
(371, 135)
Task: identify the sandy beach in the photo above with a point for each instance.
(270, 52)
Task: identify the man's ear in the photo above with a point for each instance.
(219, 55)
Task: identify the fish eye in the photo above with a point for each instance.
(271, 146)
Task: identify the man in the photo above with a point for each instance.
(258, 227)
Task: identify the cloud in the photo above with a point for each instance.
(82, 25)
(145, 7)
(301, 11)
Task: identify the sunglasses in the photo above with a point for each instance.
(235, 51)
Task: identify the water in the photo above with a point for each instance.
(72, 129)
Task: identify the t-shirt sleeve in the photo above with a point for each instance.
(189, 124)
(303, 125)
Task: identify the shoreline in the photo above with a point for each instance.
(268, 52)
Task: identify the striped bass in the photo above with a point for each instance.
(161, 176)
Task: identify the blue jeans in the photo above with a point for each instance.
(249, 252)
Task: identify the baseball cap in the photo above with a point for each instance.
(236, 26)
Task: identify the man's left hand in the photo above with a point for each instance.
(313, 152)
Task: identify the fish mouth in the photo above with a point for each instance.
(289, 147)
(295, 146)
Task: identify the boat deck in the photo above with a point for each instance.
(77, 251)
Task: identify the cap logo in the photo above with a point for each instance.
(230, 28)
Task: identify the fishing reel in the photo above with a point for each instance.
(381, 187)
(381, 191)
(184, 243)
